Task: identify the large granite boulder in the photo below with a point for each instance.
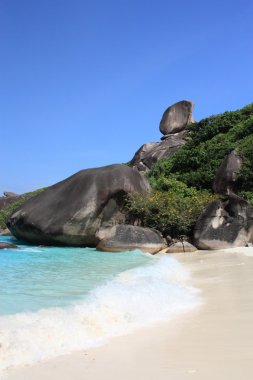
(227, 174)
(176, 117)
(70, 212)
(126, 238)
(225, 224)
(150, 153)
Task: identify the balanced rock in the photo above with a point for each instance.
(4, 245)
(181, 246)
(225, 224)
(127, 238)
(227, 174)
(72, 211)
(173, 126)
(176, 118)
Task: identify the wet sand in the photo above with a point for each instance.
(215, 341)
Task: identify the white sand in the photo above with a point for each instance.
(213, 342)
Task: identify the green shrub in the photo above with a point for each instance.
(182, 182)
(173, 212)
(247, 195)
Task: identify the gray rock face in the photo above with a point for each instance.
(70, 212)
(180, 247)
(150, 153)
(176, 117)
(227, 174)
(9, 199)
(10, 194)
(126, 238)
(225, 224)
(4, 245)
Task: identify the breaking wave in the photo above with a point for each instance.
(138, 297)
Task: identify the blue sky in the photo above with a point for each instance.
(85, 83)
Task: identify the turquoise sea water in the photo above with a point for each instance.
(56, 300)
(32, 278)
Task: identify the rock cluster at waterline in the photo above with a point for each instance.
(72, 211)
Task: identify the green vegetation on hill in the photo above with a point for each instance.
(182, 184)
(209, 141)
(8, 210)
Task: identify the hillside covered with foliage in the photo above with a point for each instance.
(8, 210)
(209, 141)
(182, 184)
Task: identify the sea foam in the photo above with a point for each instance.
(135, 298)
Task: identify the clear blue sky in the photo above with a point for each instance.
(84, 83)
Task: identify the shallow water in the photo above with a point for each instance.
(32, 278)
(55, 300)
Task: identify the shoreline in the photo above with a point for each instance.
(212, 341)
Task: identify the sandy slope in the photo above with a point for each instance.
(214, 342)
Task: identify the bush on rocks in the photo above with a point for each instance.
(173, 208)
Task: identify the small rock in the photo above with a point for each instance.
(124, 237)
(4, 245)
(169, 239)
(5, 232)
(179, 247)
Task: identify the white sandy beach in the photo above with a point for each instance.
(215, 341)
